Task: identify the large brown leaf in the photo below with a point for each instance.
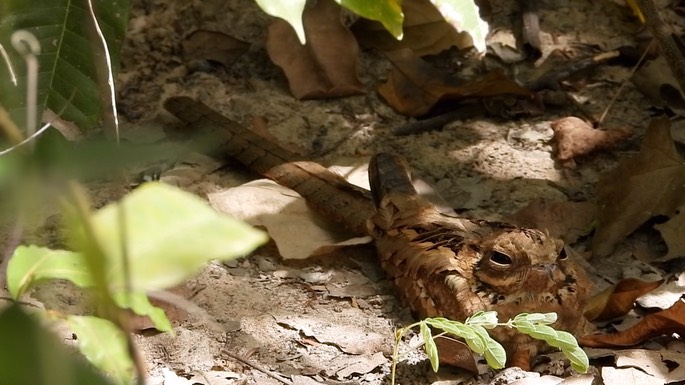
(672, 233)
(649, 184)
(414, 86)
(671, 320)
(326, 67)
(425, 31)
(618, 300)
(566, 220)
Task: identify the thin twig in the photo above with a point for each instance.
(664, 35)
(269, 373)
(622, 86)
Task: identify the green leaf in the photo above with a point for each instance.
(487, 319)
(480, 343)
(170, 235)
(578, 358)
(31, 264)
(288, 10)
(541, 318)
(387, 12)
(457, 329)
(524, 326)
(463, 15)
(30, 355)
(494, 354)
(104, 345)
(431, 347)
(563, 340)
(140, 304)
(68, 52)
(543, 332)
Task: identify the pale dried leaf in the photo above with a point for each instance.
(297, 231)
(658, 364)
(666, 295)
(628, 376)
(366, 364)
(348, 338)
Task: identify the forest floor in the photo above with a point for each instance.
(331, 319)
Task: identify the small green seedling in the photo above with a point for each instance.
(474, 331)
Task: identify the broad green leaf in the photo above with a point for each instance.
(70, 55)
(140, 304)
(170, 235)
(387, 12)
(457, 329)
(542, 318)
(31, 264)
(487, 319)
(563, 340)
(463, 15)
(431, 348)
(104, 345)
(578, 358)
(543, 332)
(524, 326)
(480, 342)
(494, 354)
(288, 10)
(30, 355)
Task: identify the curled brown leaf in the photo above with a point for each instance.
(656, 324)
(618, 300)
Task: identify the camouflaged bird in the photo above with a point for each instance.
(451, 267)
(440, 265)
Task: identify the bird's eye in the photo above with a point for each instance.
(500, 259)
(562, 255)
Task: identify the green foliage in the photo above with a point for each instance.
(474, 331)
(30, 355)
(462, 15)
(68, 47)
(105, 346)
(155, 238)
(387, 12)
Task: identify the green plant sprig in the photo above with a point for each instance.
(474, 332)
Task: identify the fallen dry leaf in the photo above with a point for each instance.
(214, 46)
(575, 137)
(627, 376)
(672, 233)
(286, 217)
(326, 67)
(566, 220)
(414, 86)
(667, 294)
(456, 353)
(366, 363)
(652, 325)
(665, 365)
(350, 339)
(649, 184)
(656, 81)
(425, 31)
(618, 300)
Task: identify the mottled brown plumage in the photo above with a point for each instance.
(440, 265)
(453, 267)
